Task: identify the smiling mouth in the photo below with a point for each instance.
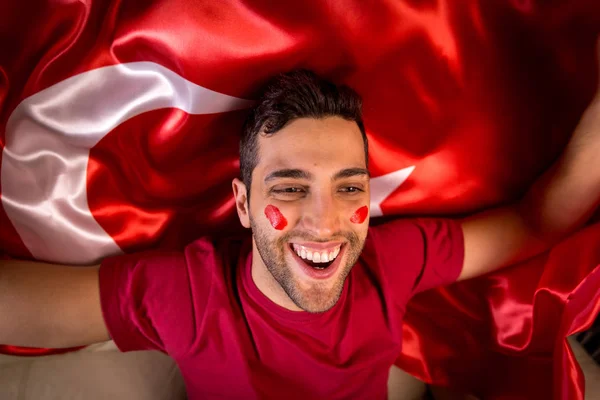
(318, 259)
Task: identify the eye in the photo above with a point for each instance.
(351, 189)
(288, 190)
(288, 193)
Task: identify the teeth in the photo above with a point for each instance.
(316, 256)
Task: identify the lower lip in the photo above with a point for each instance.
(319, 274)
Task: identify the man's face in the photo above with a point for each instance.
(308, 211)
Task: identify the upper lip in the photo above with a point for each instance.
(319, 246)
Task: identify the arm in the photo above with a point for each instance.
(559, 203)
(52, 306)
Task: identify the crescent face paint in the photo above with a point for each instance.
(275, 217)
(360, 215)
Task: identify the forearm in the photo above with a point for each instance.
(557, 204)
(44, 305)
(565, 197)
(560, 202)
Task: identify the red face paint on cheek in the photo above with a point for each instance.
(275, 217)
(360, 215)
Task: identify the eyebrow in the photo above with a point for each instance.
(288, 173)
(301, 174)
(350, 172)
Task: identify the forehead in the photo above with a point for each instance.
(308, 143)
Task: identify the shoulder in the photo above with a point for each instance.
(407, 228)
(203, 251)
(394, 242)
(225, 250)
(415, 231)
(395, 237)
(412, 255)
(413, 241)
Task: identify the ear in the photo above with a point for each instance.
(241, 202)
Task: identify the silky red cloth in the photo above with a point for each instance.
(202, 307)
(479, 96)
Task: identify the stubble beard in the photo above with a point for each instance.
(320, 297)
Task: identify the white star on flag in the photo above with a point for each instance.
(383, 186)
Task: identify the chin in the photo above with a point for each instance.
(316, 297)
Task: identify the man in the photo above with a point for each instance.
(312, 306)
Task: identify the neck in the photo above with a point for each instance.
(266, 283)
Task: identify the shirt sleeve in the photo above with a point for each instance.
(423, 253)
(147, 301)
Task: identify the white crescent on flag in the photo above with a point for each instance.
(49, 136)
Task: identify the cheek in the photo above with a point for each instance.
(360, 215)
(275, 217)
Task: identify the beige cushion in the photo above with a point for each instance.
(98, 372)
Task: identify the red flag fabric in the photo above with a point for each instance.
(119, 124)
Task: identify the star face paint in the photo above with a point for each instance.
(360, 215)
(275, 217)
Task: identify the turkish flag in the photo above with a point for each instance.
(120, 120)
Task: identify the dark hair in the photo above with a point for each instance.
(289, 96)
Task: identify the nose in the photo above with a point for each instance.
(321, 216)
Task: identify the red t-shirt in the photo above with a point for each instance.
(202, 308)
